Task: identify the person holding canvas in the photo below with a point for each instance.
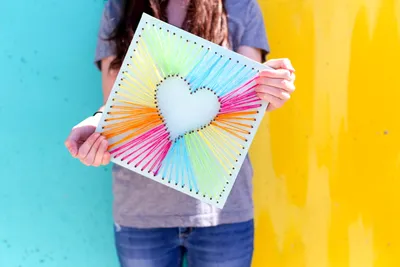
(154, 224)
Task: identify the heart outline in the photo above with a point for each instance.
(191, 92)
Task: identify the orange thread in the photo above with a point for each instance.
(139, 127)
(233, 128)
(226, 121)
(137, 120)
(229, 131)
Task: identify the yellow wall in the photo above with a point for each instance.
(327, 185)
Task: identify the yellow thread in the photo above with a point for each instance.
(144, 104)
(202, 161)
(221, 147)
(151, 61)
(216, 154)
(142, 73)
(162, 52)
(129, 86)
(223, 136)
(135, 81)
(147, 83)
(134, 99)
(138, 85)
(144, 70)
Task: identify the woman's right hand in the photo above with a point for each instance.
(87, 145)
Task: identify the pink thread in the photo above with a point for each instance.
(136, 140)
(239, 95)
(155, 138)
(241, 102)
(235, 109)
(157, 144)
(241, 99)
(144, 147)
(247, 106)
(158, 163)
(236, 91)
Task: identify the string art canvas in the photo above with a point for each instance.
(183, 111)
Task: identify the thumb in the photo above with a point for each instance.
(72, 143)
(281, 63)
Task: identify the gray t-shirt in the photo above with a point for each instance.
(142, 202)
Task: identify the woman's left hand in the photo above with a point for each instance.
(277, 84)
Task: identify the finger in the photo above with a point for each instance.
(280, 63)
(85, 148)
(100, 153)
(72, 146)
(106, 158)
(277, 83)
(278, 74)
(279, 93)
(89, 160)
(72, 143)
(292, 77)
(273, 101)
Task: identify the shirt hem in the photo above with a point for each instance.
(199, 220)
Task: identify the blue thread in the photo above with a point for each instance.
(188, 167)
(230, 80)
(224, 78)
(202, 156)
(198, 67)
(246, 77)
(178, 160)
(231, 84)
(166, 165)
(184, 162)
(218, 74)
(180, 166)
(191, 173)
(202, 77)
(180, 163)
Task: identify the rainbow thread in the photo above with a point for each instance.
(201, 160)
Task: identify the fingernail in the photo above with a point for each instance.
(73, 152)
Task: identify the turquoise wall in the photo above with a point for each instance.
(54, 211)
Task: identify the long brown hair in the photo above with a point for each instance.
(204, 18)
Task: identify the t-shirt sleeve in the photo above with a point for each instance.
(108, 22)
(255, 33)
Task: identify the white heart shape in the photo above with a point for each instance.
(183, 111)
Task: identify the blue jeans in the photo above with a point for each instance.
(229, 245)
